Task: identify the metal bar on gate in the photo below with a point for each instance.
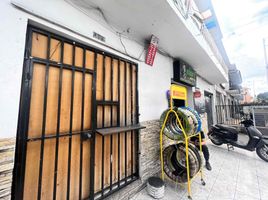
(22, 130)
(131, 111)
(97, 50)
(125, 85)
(94, 118)
(17, 188)
(71, 127)
(103, 124)
(58, 128)
(118, 121)
(114, 190)
(43, 123)
(63, 65)
(57, 136)
(137, 121)
(82, 126)
(111, 124)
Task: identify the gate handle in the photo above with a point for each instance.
(86, 135)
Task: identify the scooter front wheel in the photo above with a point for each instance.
(262, 152)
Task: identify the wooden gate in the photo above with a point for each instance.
(78, 122)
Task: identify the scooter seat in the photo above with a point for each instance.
(228, 128)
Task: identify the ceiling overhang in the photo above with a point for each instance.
(162, 19)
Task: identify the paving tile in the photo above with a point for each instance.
(219, 196)
(263, 187)
(198, 191)
(249, 191)
(242, 196)
(228, 176)
(235, 175)
(222, 189)
(264, 194)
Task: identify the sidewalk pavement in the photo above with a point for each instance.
(235, 175)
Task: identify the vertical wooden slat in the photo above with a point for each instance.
(122, 119)
(107, 120)
(114, 122)
(37, 101)
(55, 50)
(51, 128)
(98, 151)
(32, 170)
(64, 127)
(98, 138)
(115, 80)
(39, 45)
(48, 169)
(78, 57)
(88, 102)
(75, 167)
(62, 168)
(77, 104)
(128, 98)
(65, 101)
(99, 78)
(86, 144)
(86, 169)
(52, 101)
(89, 60)
(68, 53)
(75, 158)
(115, 159)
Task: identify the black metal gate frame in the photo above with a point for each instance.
(24, 111)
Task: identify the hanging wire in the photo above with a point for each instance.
(118, 33)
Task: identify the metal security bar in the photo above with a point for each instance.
(232, 114)
(69, 91)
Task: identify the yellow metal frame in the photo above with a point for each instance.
(186, 141)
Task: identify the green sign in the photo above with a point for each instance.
(187, 74)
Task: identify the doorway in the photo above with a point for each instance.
(69, 93)
(208, 106)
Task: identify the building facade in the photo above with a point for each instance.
(59, 55)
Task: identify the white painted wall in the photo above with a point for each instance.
(153, 81)
(12, 39)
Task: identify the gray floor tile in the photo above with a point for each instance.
(243, 196)
(235, 175)
(264, 194)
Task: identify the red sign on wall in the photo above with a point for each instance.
(197, 94)
(151, 51)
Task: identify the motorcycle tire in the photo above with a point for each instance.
(174, 168)
(262, 152)
(191, 119)
(198, 119)
(194, 153)
(172, 129)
